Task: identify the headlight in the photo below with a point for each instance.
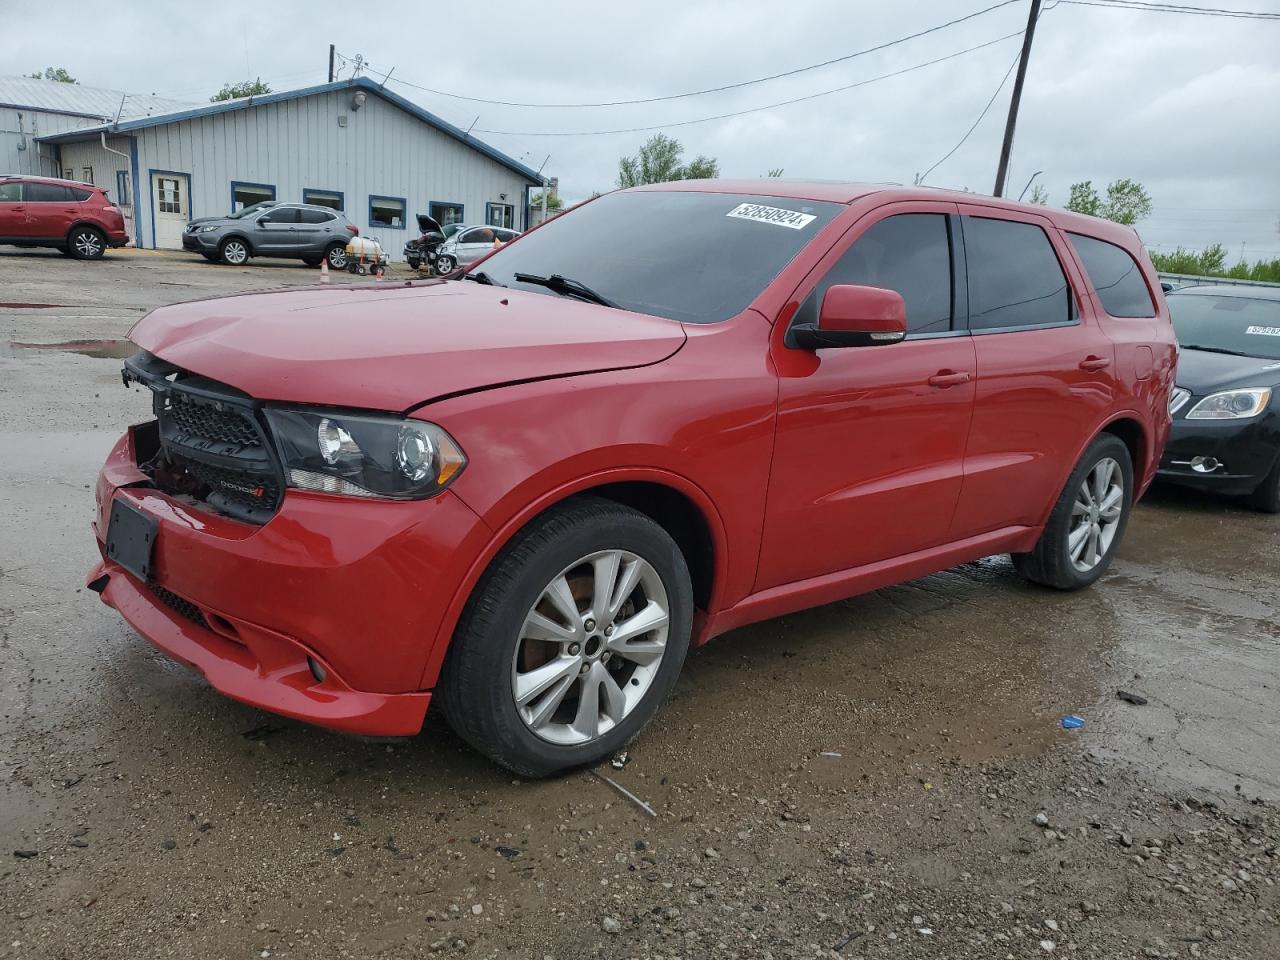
(208, 229)
(365, 455)
(1232, 404)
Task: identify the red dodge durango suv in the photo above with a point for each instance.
(523, 492)
(76, 218)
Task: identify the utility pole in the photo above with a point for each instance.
(331, 63)
(1007, 146)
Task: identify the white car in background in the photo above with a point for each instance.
(468, 244)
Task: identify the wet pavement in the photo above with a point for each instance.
(833, 783)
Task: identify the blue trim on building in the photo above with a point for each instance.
(247, 183)
(404, 219)
(358, 83)
(342, 197)
(137, 192)
(151, 201)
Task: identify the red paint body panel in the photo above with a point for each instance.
(818, 474)
(390, 346)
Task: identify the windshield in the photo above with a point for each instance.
(695, 257)
(248, 211)
(1235, 324)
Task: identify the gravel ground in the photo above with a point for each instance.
(882, 777)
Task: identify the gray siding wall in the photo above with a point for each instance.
(19, 126)
(299, 144)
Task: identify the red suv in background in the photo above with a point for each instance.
(525, 491)
(76, 218)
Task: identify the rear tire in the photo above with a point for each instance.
(337, 256)
(1267, 497)
(86, 243)
(601, 695)
(1088, 521)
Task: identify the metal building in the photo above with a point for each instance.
(351, 145)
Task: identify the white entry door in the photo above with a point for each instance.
(172, 208)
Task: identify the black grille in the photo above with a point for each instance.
(211, 424)
(253, 490)
(175, 603)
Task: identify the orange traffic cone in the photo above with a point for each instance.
(324, 270)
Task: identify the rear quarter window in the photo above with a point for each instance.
(1116, 277)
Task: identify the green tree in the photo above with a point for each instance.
(1039, 196)
(1127, 201)
(54, 73)
(659, 160)
(774, 173)
(553, 202)
(233, 91)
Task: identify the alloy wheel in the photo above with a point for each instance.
(590, 647)
(1095, 514)
(444, 264)
(337, 258)
(235, 252)
(88, 244)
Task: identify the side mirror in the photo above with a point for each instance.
(854, 316)
(1166, 286)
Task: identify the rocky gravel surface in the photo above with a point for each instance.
(883, 777)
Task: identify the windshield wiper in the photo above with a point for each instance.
(1233, 353)
(565, 286)
(481, 277)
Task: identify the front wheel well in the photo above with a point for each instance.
(680, 517)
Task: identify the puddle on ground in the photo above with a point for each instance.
(99, 349)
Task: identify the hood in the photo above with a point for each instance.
(198, 220)
(1202, 371)
(428, 224)
(386, 347)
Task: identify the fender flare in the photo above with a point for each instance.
(1112, 416)
(439, 647)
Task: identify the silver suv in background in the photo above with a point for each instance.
(469, 244)
(303, 231)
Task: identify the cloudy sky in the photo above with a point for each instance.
(1185, 104)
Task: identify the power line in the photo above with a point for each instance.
(728, 86)
(947, 155)
(1175, 8)
(739, 113)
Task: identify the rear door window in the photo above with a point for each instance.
(47, 193)
(1015, 279)
(314, 216)
(1116, 277)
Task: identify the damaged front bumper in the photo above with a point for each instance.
(326, 613)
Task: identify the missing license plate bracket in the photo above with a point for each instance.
(131, 538)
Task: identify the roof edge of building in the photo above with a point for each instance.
(357, 83)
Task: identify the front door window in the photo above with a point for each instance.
(170, 195)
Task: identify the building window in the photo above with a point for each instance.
(500, 214)
(445, 213)
(387, 212)
(247, 194)
(170, 200)
(88, 174)
(123, 198)
(332, 199)
(67, 174)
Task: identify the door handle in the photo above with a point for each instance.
(1092, 362)
(949, 378)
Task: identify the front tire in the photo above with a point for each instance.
(445, 264)
(234, 252)
(86, 243)
(572, 639)
(1267, 497)
(1088, 521)
(312, 261)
